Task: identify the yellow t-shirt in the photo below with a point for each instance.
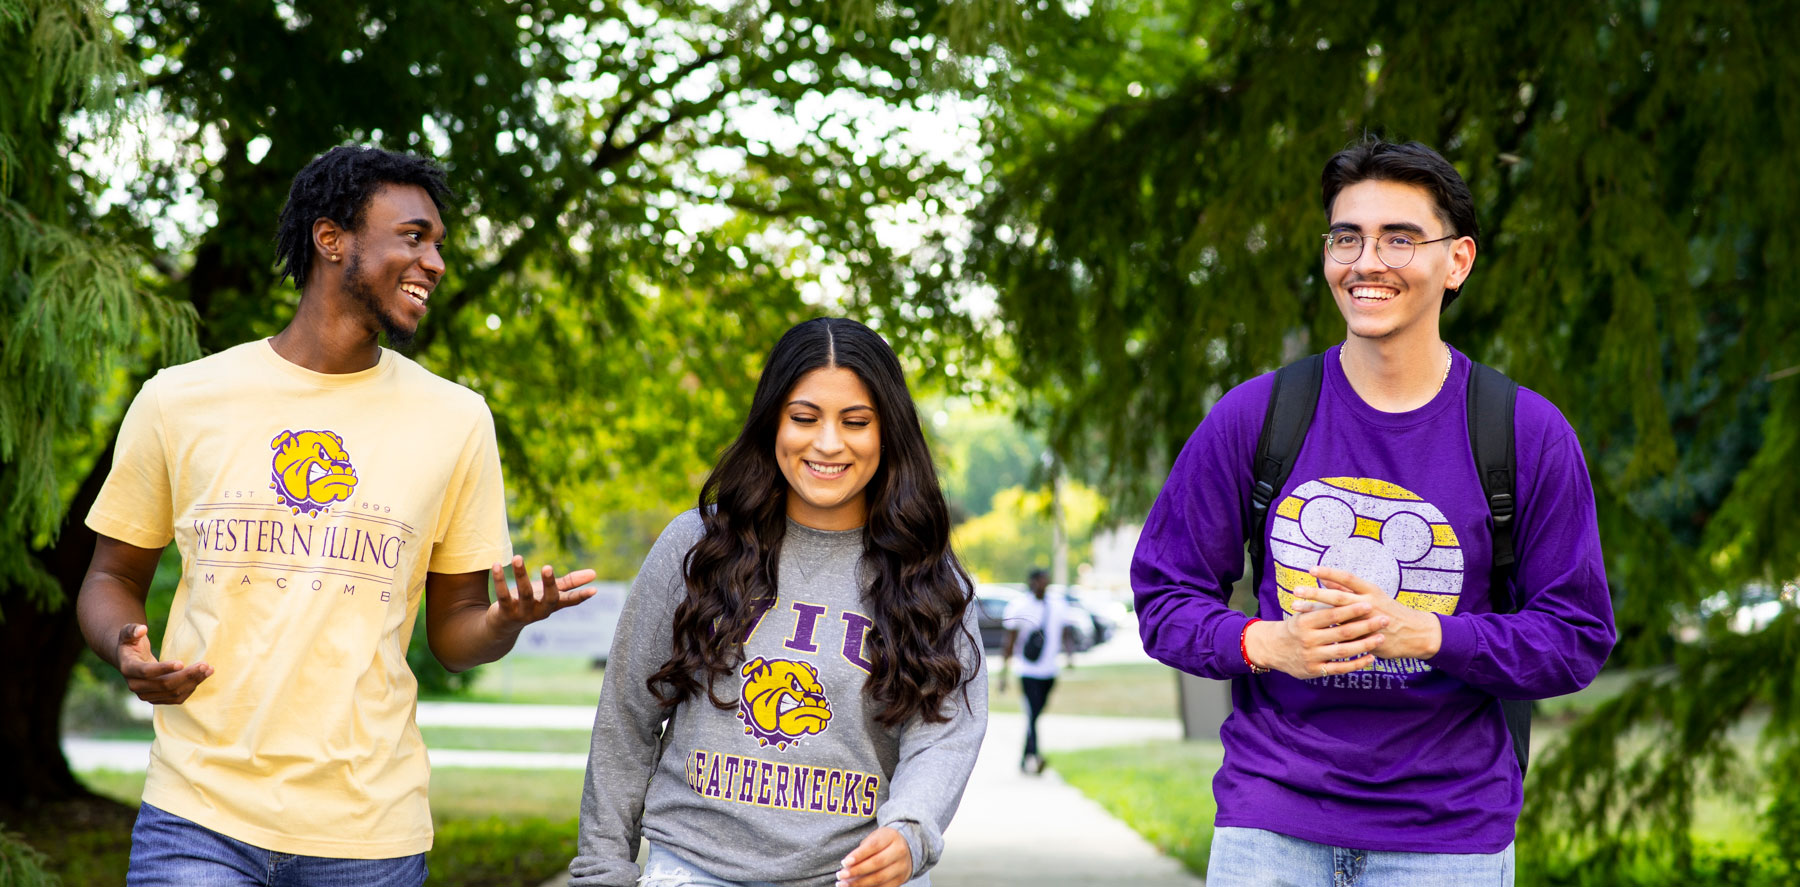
(307, 509)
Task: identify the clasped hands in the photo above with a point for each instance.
(1351, 624)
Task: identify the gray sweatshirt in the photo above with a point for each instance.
(781, 787)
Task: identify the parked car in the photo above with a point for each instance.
(1107, 609)
(990, 606)
(1080, 632)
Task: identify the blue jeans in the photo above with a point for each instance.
(169, 851)
(1249, 857)
(662, 868)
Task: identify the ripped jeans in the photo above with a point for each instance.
(662, 868)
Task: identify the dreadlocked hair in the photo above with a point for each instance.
(337, 185)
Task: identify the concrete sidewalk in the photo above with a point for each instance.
(1015, 830)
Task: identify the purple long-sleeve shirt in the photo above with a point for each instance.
(1407, 755)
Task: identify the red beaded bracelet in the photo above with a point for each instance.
(1244, 647)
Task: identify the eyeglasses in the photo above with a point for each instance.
(1394, 249)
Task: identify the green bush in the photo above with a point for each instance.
(434, 678)
(96, 699)
(497, 852)
(1163, 791)
(1711, 867)
(21, 865)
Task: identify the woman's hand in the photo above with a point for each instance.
(881, 860)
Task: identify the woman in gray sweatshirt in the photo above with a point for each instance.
(796, 693)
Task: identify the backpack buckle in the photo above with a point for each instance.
(1500, 505)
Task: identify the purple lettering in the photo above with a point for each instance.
(747, 782)
(870, 790)
(856, 628)
(782, 776)
(732, 763)
(758, 609)
(853, 783)
(802, 640)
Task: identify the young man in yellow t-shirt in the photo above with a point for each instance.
(316, 486)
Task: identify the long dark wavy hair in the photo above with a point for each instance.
(919, 591)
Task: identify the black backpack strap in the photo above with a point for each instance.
(1492, 397)
(1285, 423)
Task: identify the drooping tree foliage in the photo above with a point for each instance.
(649, 193)
(1151, 238)
(71, 300)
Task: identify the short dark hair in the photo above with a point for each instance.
(337, 185)
(1409, 163)
(1037, 573)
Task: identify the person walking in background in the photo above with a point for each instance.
(1041, 620)
(796, 694)
(1367, 741)
(316, 485)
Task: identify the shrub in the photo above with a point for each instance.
(498, 852)
(21, 865)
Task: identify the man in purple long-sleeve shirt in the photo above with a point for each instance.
(1366, 737)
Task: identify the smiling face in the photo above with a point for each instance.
(828, 446)
(395, 260)
(1379, 302)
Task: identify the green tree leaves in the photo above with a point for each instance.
(1151, 234)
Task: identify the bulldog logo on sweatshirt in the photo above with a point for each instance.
(781, 701)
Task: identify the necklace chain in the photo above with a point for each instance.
(1441, 380)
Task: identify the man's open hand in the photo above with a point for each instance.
(527, 602)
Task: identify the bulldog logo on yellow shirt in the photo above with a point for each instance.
(782, 700)
(311, 470)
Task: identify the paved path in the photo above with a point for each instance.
(131, 755)
(1014, 829)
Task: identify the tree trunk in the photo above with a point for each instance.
(42, 647)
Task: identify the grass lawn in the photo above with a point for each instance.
(1163, 790)
(548, 680)
(1136, 691)
(506, 739)
(495, 828)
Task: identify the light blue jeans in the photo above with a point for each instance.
(662, 868)
(1249, 857)
(170, 851)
